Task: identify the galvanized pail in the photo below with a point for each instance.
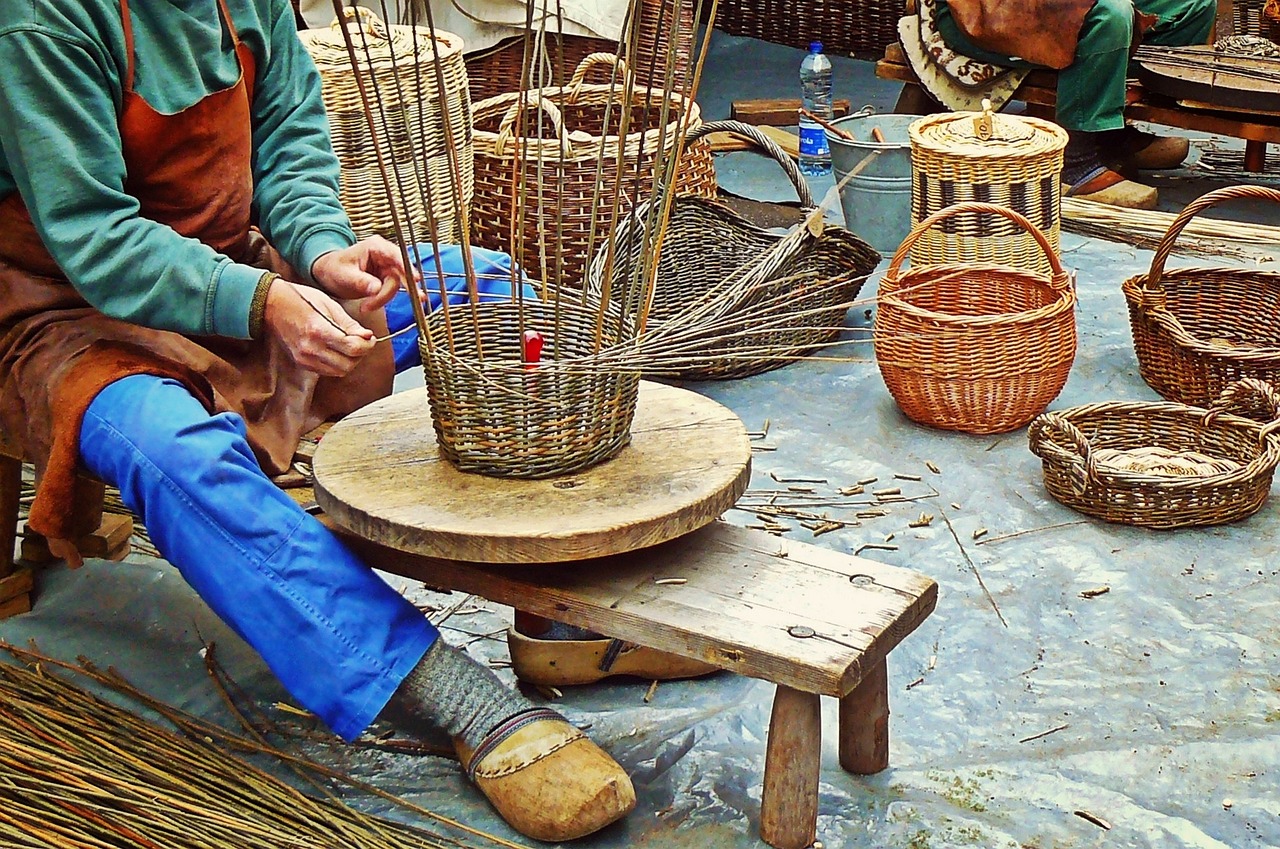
(877, 199)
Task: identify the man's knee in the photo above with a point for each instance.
(1108, 27)
(1188, 22)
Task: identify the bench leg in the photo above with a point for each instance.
(1255, 156)
(864, 723)
(10, 493)
(789, 803)
(914, 100)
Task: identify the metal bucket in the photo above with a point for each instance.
(877, 199)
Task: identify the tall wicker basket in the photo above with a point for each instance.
(399, 62)
(1006, 160)
(974, 347)
(1198, 330)
(572, 166)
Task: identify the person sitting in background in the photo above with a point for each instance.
(181, 297)
(1089, 42)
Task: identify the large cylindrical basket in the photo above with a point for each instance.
(1162, 464)
(979, 348)
(501, 410)
(1198, 330)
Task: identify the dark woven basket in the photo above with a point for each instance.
(1096, 459)
(805, 290)
(1198, 330)
(496, 415)
(498, 70)
(861, 28)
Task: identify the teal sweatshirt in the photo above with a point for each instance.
(61, 67)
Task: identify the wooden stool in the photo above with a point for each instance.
(812, 621)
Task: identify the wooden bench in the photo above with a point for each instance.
(813, 621)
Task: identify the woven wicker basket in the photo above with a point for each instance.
(499, 69)
(863, 29)
(1198, 330)
(1005, 160)
(414, 133)
(980, 348)
(806, 290)
(571, 168)
(496, 415)
(1162, 464)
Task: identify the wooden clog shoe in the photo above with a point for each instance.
(546, 778)
(1106, 186)
(557, 663)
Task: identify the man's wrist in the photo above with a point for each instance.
(258, 306)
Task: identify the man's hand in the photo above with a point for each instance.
(316, 330)
(372, 270)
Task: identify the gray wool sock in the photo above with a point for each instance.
(449, 690)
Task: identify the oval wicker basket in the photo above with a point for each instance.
(571, 166)
(400, 62)
(1006, 160)
(496, 415)
(979, 348)
(1162, 464)
(1198, 330)
(799, 303)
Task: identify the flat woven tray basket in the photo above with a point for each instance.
(1163, 464)
(799, 303)
(1198, 330)
(411, 123)
(974, 347)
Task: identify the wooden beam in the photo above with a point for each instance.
(778, 112)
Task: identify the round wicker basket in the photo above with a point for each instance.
(1006, 160)
(409, 124)
(570, 167)
(1198, 330)
(975, 347)
(1162, 464)
(497, 414)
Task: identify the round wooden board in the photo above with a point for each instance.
(379, 474)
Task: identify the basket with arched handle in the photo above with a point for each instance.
(1161, 464)
(1197, 330)
(974, 347)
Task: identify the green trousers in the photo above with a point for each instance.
(1091, 89)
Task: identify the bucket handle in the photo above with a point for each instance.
(617, 65)
(767, 146)
(533, 97)
(1205, 201)
(1059, 279)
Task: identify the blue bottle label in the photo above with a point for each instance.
(813, 141)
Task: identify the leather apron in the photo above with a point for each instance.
(192, 172)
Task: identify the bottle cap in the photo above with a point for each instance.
(815, 47)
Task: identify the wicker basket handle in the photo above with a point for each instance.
(1059, 278)
(594, 60)
(533, 97)
(1049, 427)
(1193, 209)
(364, 17)
(767, 146)
(1242, 398)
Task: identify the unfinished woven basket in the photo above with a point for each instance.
(1197, 330)
(1007, 160)
(979, 348)
(1162, 464)
(570, 166)
(411, 129)
(797, 304)
(497, 414)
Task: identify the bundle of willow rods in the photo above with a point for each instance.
(1145, 228)
(78, 771)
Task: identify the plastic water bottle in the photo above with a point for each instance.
(816, 89)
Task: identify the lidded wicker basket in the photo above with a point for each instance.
(796, 300)
(411, 127)
(1163, 464)
(1006, 160)
(1198, 330)
(974, 347)
(569, 167)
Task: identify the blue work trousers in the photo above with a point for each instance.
(336, 635)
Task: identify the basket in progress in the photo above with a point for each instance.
(974, 347)
(1198, 330)
(546, 196)
(796, 301)
(1006, 160)
(1162, 464)
(497, 414)
(412, 130)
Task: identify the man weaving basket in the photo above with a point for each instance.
(182, 296)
